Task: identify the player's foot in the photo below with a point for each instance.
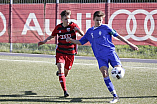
(57, 73)
(66, 94)
(115, 100)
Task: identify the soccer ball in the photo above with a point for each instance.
(117, 72)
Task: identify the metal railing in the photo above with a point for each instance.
(75, 1)
(132, 1)
(4, 1)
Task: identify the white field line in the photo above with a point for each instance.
(52, 63)
(39, 61)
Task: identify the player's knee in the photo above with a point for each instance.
(105, 75)
(60, 67)
(104, 71)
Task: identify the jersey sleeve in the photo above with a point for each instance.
(113, 32)
(54, 33)
(75, 25)
(84, 39)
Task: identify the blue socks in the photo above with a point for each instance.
(110, 86)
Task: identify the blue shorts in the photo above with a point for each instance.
(112, 58)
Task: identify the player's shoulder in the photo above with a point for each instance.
(105, 26)
(72, 24)
(59, 25)
(91, 28)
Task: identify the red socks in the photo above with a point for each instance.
(62, 81)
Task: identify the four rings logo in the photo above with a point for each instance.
(132, 17)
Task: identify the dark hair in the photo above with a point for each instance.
(65, 13)
(98, 14)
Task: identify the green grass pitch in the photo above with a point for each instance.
(31, 80)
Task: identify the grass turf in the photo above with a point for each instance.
(32, 80)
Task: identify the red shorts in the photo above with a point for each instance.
(66, 59)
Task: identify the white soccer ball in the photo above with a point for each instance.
(117, 72)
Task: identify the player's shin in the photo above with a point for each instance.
(110, 86)
(62, 81)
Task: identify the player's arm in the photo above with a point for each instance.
(68, 39)
(79, 31)
(132, 46)
(47, 39)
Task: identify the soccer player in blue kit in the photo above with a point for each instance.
(100, 38)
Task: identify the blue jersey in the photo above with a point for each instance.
(100, 39)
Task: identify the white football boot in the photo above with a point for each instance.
(115, 100)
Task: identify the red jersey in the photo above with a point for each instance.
(64, 32)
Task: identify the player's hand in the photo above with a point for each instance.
(41, 43)
(68, 39)
(134, 47)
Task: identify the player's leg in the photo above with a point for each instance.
(68, 65)
(60, 60)
(104, 71)
(115, 62)
(62, 79)
(61, 75)
(103, 66)
(66, 71)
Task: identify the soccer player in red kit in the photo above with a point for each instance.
(66, 50)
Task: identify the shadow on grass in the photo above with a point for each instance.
(29, 96)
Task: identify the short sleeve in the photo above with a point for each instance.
(113, 32)
(54, 33)
(84, 39)
(75, 25)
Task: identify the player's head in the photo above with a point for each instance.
(65, 16)
(98, 17)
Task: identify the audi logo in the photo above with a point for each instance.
(149, 16)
